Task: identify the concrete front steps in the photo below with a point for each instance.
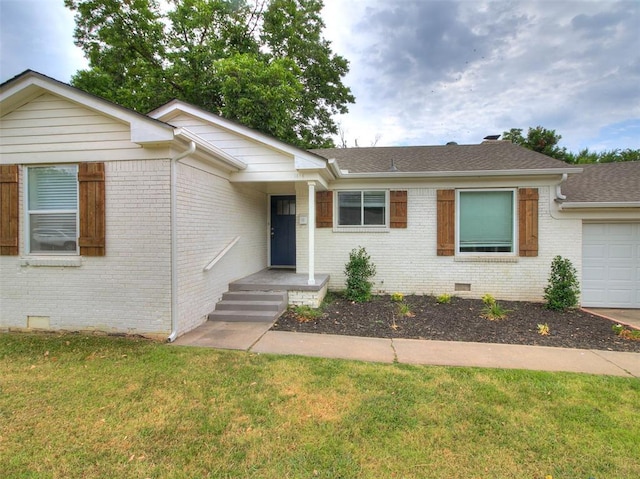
(250, 306)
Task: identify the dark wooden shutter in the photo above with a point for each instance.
(9, 210)
(528, 221)
(398, 206)
(446, 222)
(92, 209)
(324, 209)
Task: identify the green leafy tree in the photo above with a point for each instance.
(538, 139)
(546, 142)
(264, 64)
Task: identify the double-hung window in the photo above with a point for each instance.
(362, 208)
(486, 221)
(52, 208)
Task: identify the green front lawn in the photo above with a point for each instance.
(89, 406)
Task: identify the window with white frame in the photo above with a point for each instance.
(362, 208)
(486, 221)
(52, 208)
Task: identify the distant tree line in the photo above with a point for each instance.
(546, 142)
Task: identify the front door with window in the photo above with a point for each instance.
(283, 231)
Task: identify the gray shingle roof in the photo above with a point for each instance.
(490, 155)
(605, 182)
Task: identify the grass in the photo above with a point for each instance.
(93, 407)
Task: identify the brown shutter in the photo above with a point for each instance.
(324, 209)
(398, 205)
(9, 210)
(528, 221)
(92, 209)
(446, 222)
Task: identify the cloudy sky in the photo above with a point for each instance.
(428, 72)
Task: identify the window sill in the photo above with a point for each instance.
(486, 259)
(360, 229)
(48, 261)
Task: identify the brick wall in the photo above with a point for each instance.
(406, 259)
(211, 213)
(128, 290)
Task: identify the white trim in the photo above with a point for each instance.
(514, 235)
(301, 157)
(345, 174)
(599, 204)
(311, 225)
(212, 149)
(28, 212)
(337, 227)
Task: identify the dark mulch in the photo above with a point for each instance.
(461, 320)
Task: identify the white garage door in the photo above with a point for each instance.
(611, 265)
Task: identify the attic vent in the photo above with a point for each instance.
(491, 137)
(451, 143)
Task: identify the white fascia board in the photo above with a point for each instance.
(144, 129)
(344, 174)
(309, 162)
(210, 148)
(304, 158)
(570, 205)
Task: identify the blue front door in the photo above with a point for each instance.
(283, 231)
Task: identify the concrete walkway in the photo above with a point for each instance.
(257, 338)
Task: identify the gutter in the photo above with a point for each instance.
(174, 241)
(448, 174)
(559, 195)
(599, 204)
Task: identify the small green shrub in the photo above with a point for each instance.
(543, 329)
(563, 289)
(405, 310)
(359, 271)
(494, 311)
(625, 333)
(444, 298)
(305, 313)
(488, 300)
(397, 297)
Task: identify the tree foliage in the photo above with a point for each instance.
(546, 142)
(264, 64)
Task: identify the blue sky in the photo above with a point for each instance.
(428, 72)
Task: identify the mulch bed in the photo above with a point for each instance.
(461, 320)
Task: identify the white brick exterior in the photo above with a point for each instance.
(406, 259)
(126, 291)
(211, 213)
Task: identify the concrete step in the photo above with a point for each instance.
(255, 296)
(256, 306)
(244, 305)
(254, 316)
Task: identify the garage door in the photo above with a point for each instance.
(611, 265)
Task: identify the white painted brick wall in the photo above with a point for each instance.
(307, 298)
(211, 213)
(126, 291)
(406, 259)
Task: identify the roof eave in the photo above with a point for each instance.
(210, 148)
(569, 205)
(343, 174)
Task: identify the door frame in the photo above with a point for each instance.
(269, 225)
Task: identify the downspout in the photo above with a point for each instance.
(559, 195)
(174, 241)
